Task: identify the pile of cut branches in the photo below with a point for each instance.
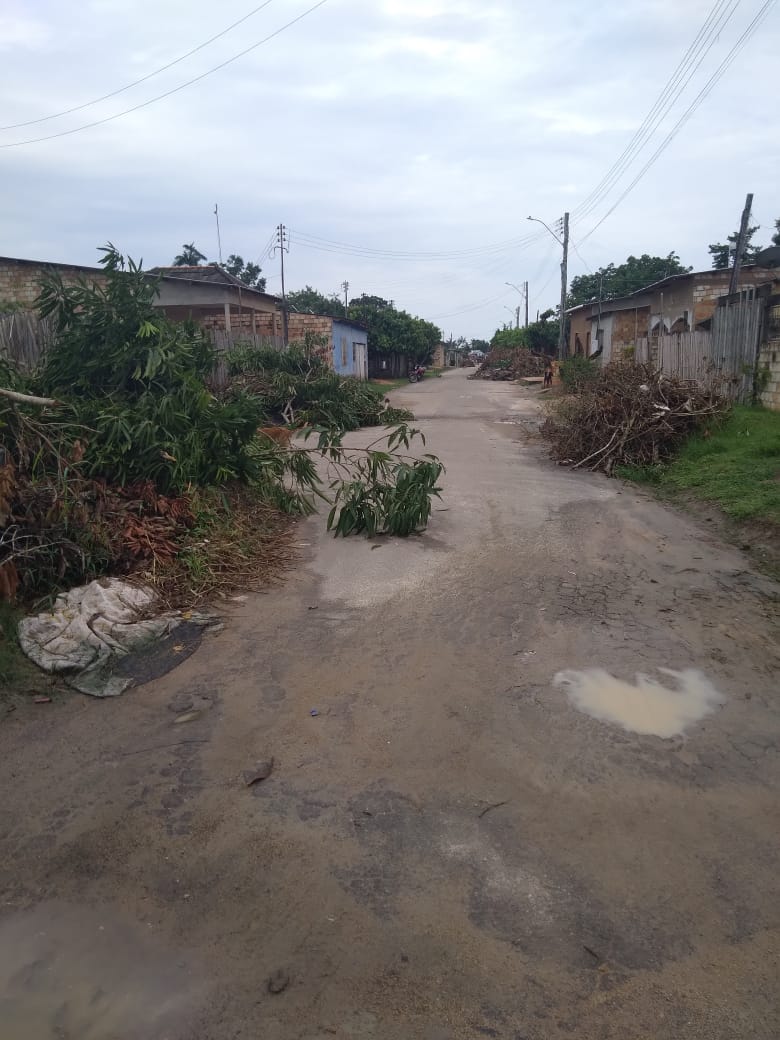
(631, 414)
(506, 363)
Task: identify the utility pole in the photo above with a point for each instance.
(517, 316)
(564, 275)
(219, 237)
(282, 245)
(345, 287)
(525, 290)
(734, 281)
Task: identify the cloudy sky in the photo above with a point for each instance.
(395, 126)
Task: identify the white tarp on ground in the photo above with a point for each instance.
(91, 628)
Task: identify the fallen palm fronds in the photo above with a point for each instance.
(631, 414)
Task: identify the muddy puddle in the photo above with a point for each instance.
(647, 706)
(82, 974)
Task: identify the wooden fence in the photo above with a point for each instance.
(24, 338)
(724, 355)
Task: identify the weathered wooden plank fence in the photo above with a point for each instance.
(726, 354)
(24, 337)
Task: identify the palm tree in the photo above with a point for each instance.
(189, 256)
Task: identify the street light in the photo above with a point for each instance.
(524, 293)
(536, 220)
(564, 271)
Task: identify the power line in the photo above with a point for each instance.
(691, 61)
(695, 104)
(143, 79)
(371, 253)
(173, 90)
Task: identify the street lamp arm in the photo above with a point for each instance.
(536, 220)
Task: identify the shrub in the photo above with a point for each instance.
(136, 384)
(578, 373)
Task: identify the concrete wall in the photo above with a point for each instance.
(769, 358)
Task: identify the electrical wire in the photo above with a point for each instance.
(707, 36)
(143, 79)
(370, 253)
(173, 90)
(695, 104)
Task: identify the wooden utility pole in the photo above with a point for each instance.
(517, 316)
(283, 245)
(525, 290)
(564, 276)
(734, 281)
(345, 287)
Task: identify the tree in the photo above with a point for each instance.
(724, 253)
(248, 273)
(311, 301)
(391, 331)
(776, 236)
(540, 337)
(480, 344)
(189, 256)
(612, 281)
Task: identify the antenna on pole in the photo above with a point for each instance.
(219, 237)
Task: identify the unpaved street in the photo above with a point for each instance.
(448, 849)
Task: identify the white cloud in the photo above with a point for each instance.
(401, 125)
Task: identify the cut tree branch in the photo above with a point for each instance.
(14, 395)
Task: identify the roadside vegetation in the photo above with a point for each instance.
(117, 456)
(626, 414)
(736, 466)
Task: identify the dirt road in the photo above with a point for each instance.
(448, 848)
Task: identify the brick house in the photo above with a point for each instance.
(680, 303)
(215, 300)
(208, 295)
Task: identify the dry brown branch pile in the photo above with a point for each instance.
(631, 415)
(506, 363)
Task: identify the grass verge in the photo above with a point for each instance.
(19, 677)
(238, 543)
(737, 467)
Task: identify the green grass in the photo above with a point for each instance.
(737, 467)
(15, 670)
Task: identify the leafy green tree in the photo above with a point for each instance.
(391, 331)
(189, 256)
(540, 337)
(723, 253)
(311, 301)
(619, 280)
(776, 235)
(248, 273)
(480, 344)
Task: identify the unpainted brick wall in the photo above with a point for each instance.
(769, 359)
(20, 280)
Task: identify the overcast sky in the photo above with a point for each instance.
(396, 125)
